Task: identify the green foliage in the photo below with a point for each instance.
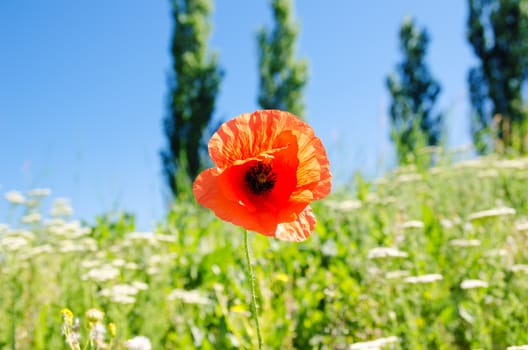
(497, 31)
(414, 92)
(187, 286)
(282, 77)
(194, 84)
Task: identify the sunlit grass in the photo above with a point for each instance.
(415, 260)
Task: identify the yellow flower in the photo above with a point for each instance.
(112, 329)
(67, 316)
(281, 277)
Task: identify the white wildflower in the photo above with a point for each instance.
(89, 244)
(31, 218)
(74, 229)
(131, 266)
(140, 285)
(518, 347)
(124, 289)
(152, 270)
(89, 264)
(39, 192)
(15, 197)
(63, 229)
(446, 223)
(61, 207)
(491, 213)
(97, 334)
(511, 163)
(486, 173)
(413, 224)
(138, 343)
(12, 243)
(496, 252)
(165, 238)
(472, 164)
(155, 260)
(119, 262)
(411, 177)
(188, 296)
(41, 249)
(519, 268)
(69, 246)
(123, 299)
(375, 344)
(121, 293)
(428, 278)
(396, 274)
(473, 284)
(464, 243)
(101, 274)
(386, 252)
(30, 236)
(142, 237)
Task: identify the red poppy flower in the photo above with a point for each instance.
(269, 167)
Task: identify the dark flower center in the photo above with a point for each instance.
(260, 178)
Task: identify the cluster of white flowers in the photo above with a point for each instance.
(61, 208)
(31, 218)
(491, 213)
(411, 177)
(376, 344)
(473, 284)
(519, 268)
(412, 224)
(422, 279)
(103, 273)
(396, 274)
(464, 243)
(188, 297)
(15, 197)
(138, 343)
(386, 252)
(123, 293)
(39, 192)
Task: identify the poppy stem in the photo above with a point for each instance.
(252, 282)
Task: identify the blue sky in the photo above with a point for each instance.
(83, 88)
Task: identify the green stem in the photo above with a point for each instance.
(252, 281)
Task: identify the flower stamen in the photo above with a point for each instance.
(260, 178)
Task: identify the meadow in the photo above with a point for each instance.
(418, 259)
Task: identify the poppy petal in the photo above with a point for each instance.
(299, 229)
(251, 134)
(314, 168)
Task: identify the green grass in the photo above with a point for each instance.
(326, 293)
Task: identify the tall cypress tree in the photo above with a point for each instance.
(414, 92)
(282, 77)
(497, 31)
(194, 84)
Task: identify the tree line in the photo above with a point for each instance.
(497, 31)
